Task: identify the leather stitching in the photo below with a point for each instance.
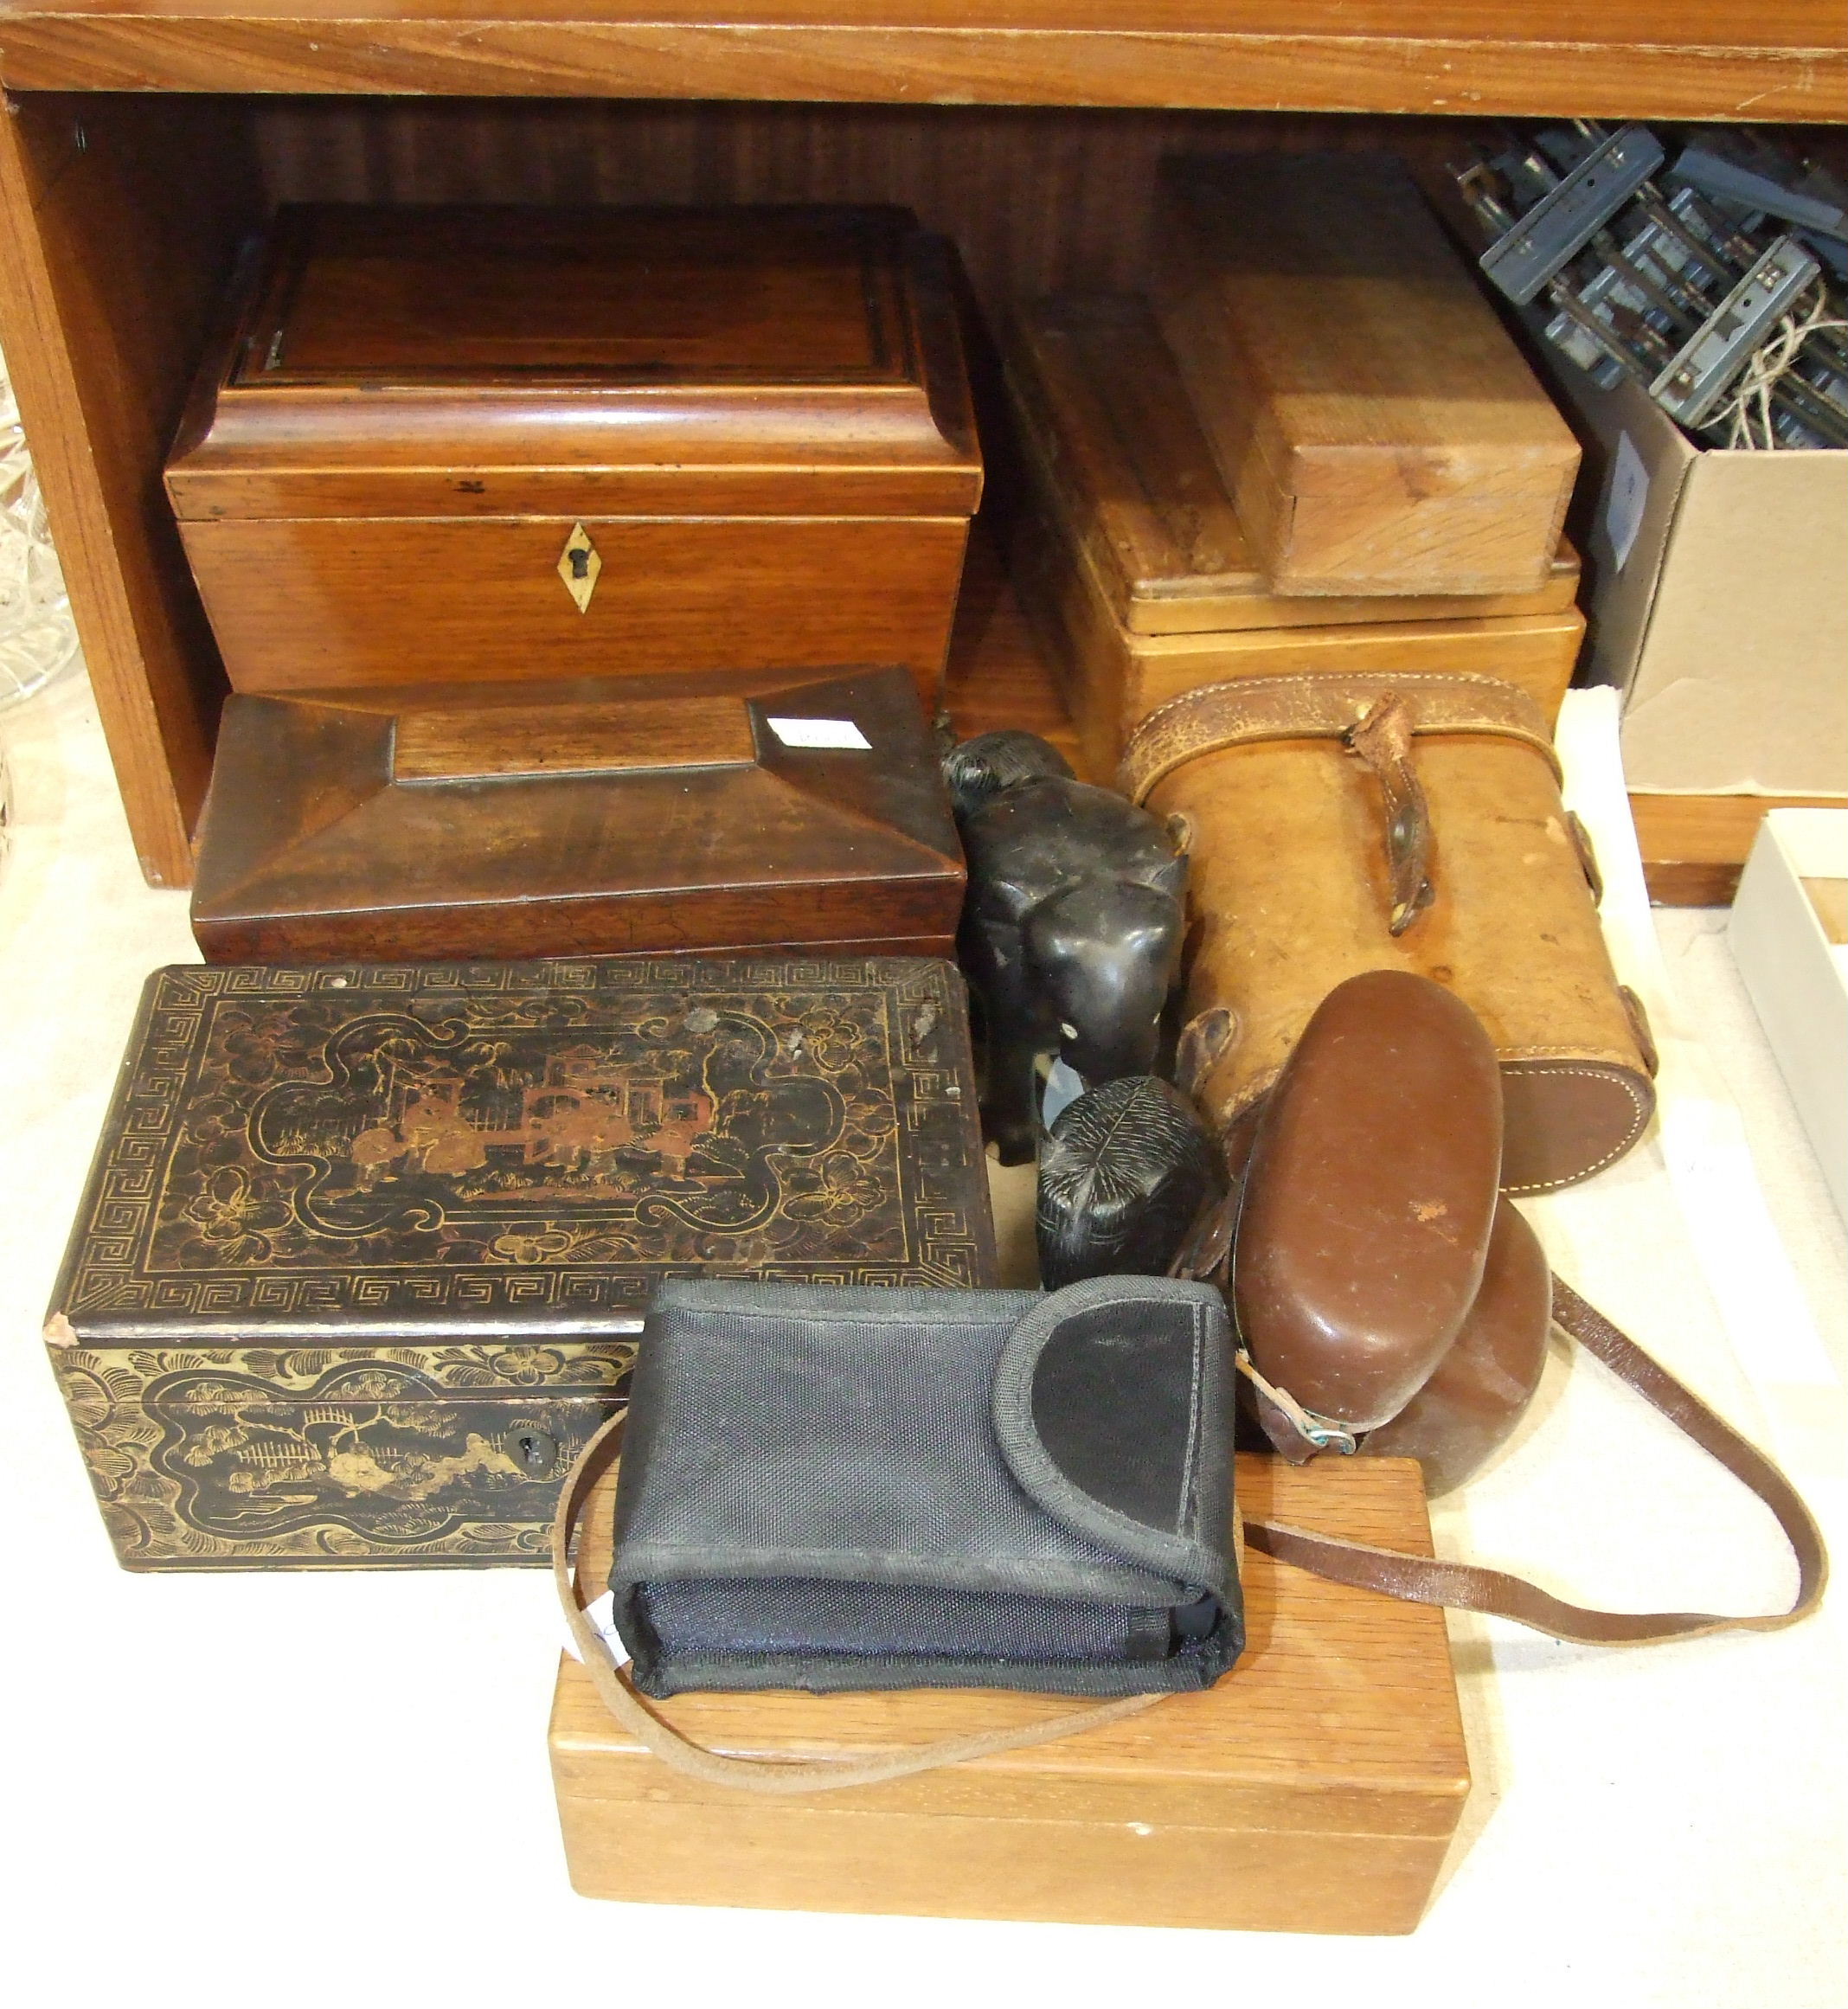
(1629, 1137)
(1617, 1071)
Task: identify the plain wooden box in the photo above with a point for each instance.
(1139, 579)
(1316, 1789)
(1379, 429)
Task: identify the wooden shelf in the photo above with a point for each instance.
(149, 138)
(1767, 60)
(1695, 846)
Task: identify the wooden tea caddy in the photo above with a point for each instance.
(1138, 576)
(1317, 1788)
(482, 443)
(744, 812)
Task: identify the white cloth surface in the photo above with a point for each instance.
(275, 1787)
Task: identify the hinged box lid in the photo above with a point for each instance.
(1122, 457)
(520, 1149)
(488, 361)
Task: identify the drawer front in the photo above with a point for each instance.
(300, 605)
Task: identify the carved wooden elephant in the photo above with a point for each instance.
(1071, 934)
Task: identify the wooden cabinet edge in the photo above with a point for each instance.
(843, 61)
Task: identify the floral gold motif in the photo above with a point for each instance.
(358, 1238)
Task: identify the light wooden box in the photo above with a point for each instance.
(1316, 1789)
(1139, 579)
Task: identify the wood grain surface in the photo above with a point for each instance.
(507, 820)
(302, 605)
(1695, 847)
(1117, 459)
(114, 253)
(1767, 59)
(502, 359)
(1376, 427)
(118, 224)
(575, 736)
(1314, 1789)
(998, 675)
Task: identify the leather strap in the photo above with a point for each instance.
(1382, 738)
(1412, 1579)
(764, 1775)
(1252, 708)
(1467, 1586)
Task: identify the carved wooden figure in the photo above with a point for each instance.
(1071, 934)
(1125, 1171)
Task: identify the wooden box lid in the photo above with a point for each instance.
(703, 814)
(1315, 1789)
(1118, 455)
(490, 360)
(422, 1153)
(1376, 426)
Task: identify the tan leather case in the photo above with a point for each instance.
(1291, 892)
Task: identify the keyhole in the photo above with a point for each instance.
(534, 1452)
(579, 562)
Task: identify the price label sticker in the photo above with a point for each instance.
(1623, 513)
(839, 734)
(601, 1612)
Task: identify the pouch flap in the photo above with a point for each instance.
(1112, 1407)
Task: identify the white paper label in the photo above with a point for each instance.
(601, 1612)
(1064, 1088)
(1623, 513)
(821, 731)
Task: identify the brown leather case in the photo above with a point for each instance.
(1296, 883)
(1388, 1303)
(1389, 1300)
(492, 442)
(630, 815)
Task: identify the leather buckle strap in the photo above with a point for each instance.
(1384, 740)
(1253, 709)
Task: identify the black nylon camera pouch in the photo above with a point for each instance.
(842, 1488)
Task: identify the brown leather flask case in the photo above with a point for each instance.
(1339, 824)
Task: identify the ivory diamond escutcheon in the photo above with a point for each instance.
(578, 565)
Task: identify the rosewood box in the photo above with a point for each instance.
(704, 813)
(439, 444)
(1138, 576)
(365, 1249)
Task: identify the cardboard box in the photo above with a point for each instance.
(1789, 934)
(1716, 587)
